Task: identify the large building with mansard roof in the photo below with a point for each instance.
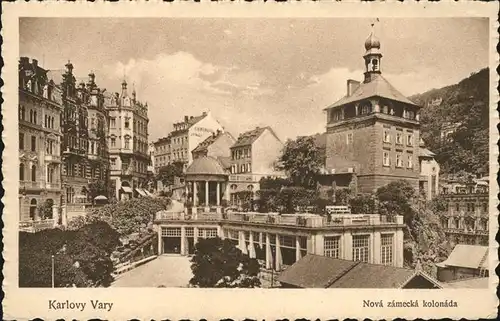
(373, 132)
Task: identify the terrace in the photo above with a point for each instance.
(275, 219)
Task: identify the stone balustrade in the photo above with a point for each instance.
(304, 220)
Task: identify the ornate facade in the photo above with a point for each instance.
(128, 144)
(39, 145)
(84, 150)
(465, 219)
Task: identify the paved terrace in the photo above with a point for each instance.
(164, 271)
(299, 220)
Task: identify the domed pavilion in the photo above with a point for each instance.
(206, 184)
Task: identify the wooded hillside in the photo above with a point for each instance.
(455, 121)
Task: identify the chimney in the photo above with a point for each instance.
(352, 85)
(186, 119)
(24, 60)
(35, 63)
(191, 117)
(204, 113)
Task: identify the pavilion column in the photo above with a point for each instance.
(195, 235)
(226, 192)
(251, 247)
(183, 241)
(298, 254)
(218, 194)
(160, 250)
(195, 194)
(206, 194)
(269, 254)
(279, 260)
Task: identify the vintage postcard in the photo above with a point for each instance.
(250, 160)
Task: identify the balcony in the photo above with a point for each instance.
(29, 185)
(53, 158)
(53, 186)
(466, 231)
(35, 226)
(300, 220)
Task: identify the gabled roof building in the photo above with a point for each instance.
(315, 271)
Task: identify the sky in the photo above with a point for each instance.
(253, 72)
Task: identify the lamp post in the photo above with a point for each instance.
(52, 271)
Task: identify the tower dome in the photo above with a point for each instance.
(372, 42)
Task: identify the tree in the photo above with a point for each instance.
(363, 203)
(81, 258)
(96, 188)
(45, 209)
(294, 198)
(302, 161)
(129, 216)
(397, 198)
(167, 174)
(218, 263)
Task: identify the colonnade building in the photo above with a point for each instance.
(278, 241)
(275, 240)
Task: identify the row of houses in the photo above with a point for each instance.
(77, 143)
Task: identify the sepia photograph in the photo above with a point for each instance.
(258, 153)
(330, 153)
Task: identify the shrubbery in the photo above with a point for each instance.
(218, 263)
(81, 258)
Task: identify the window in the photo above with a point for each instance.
(22, 113)
(21, 172)
(409, 139)
(387, 136)
(332, 246)
(360, 248)
(399, 160)
(21, 141)
(33, 173)
(127, 142)
(171, 232)
(386, 249)
(457, 207)
(410, 161)
(34, 118)
(399, 138)
(112, 122)
(349, 138)
(33, 143)
(33, 207)
(386, 159)
(127, 123)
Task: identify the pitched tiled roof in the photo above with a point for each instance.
(194, 120)
(314, 271)
(225, 161)
(424, 152)
(365, 275)
(208, 141)
(247, 138)
(378, 87)
(468, 256)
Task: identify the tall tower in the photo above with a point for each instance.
(372, 56)
(372, 132)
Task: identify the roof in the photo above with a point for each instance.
(378, 87)
(205, 165)
(248, 137)
(424, 152)
(209, 141)
(473, 283)
(315, 271)
(468, 256)
(224, 161)
(193, 120)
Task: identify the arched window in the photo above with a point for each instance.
(21, 172)
(33, 208)
(31, 116)
(34, 117)
(22, 113)
(33, 173)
